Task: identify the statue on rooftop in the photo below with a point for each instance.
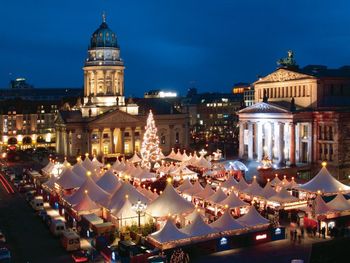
(289, 61)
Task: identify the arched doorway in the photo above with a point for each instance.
(27, 140)
(12, 141)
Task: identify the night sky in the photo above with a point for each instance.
(171, 44)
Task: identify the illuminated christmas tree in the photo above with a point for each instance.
(150, 151)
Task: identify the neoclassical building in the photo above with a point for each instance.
(300, 115)
(105, 123)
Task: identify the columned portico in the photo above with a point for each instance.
(278, 134)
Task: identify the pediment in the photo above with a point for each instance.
(283, 75)
(263, 107)
(116, 117)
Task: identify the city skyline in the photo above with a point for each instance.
(170, 45)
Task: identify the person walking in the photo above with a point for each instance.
(323, 230)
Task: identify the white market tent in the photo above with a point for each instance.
(88, 165)
(283, 197)
(125, 211)
(325, 183)
(98, 165)
(217, 197)
(171, 155)
(79, 170)
(148, 193)
(109, 182)
(321, 208)
(66, 163)
(86, 205)
(135, 158)
(69, 180)
(168, 233)
(96, 193)
(202, 163)
(276, 181)
(48, 168)
(144, 175)
(226, 223)
(198, 228)
(184, 172)
(268, 191)
(195, 213)
(253, 219)
(126, 189)
(50, 184)
(292, 184)
(186, 184)
(232, 201)
(238, 166)
(206, 192)
(254, 189)
(169, 202)
(339, 203)
(197, 188)
(242, 185)
(229, 183)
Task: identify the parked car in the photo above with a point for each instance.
(80, 256)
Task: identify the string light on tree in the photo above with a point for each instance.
(150, 151)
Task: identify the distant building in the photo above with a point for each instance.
(301, 115)
(213, 118)
(20, 83)
(160, 94)
(249, 96)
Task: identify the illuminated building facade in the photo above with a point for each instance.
(105, 124)
(27, 124)
(301, 115)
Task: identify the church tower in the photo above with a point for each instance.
(103, 73)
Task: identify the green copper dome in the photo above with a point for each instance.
(103, 37)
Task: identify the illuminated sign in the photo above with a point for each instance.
(165, 94)
(223, 241)
(278, 231)
(260, 237)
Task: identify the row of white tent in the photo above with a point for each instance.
(170, 236)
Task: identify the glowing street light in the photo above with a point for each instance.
(139, 208)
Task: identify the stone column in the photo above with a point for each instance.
(297, 142)
(250, 140)
(114, 89)
(279, 135)
(122, 130)
(57, 140)
(260, 146)
(241, 139)
(112, 140)
(292, 144)
(268, 139)
(132, 145)
(95, 81)
(86, 85)
(328, 151)
(309, 142)
(68, 151)
(315, 146)
(100, 135)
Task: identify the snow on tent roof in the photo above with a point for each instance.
(169, 202)
(321, 207)
(232, 201)
(283, 197)
(242, 184)
(206, 192)
(268, 191)
(168, 233)
(96, 193)
(254, 189)
(230, 182)
(226, 223)
(197, 188)
(217, 197)
(198, 228)
(69, 180)
(325, 183)
(86, 204)
(185, 185)
(253, 218)
(109, 182)
(126, 189)
(339, 203)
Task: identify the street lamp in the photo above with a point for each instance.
(139, 208)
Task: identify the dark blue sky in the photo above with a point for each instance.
(169, 43)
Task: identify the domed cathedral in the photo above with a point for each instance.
(103, 72)
(106, 124)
